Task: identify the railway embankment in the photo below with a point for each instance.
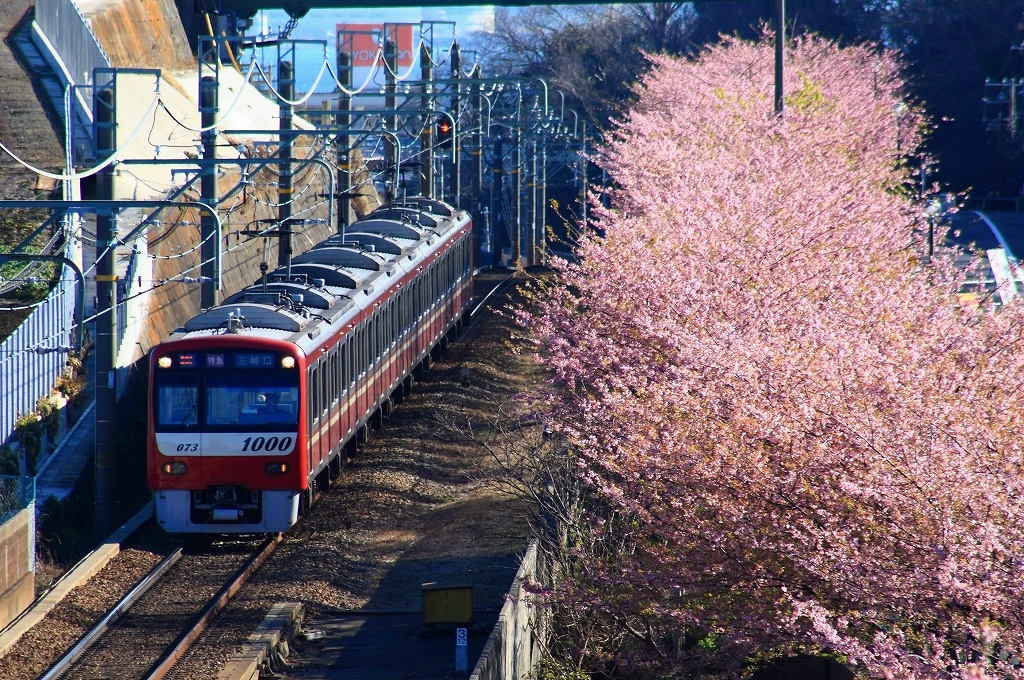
(416, 505)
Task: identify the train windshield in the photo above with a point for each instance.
(251, 399)
(225, 392)
(177, 400)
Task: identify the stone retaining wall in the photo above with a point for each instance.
(513, 649)
(17, 579)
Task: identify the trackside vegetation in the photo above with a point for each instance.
(788, 433)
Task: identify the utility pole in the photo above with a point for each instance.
(344, 182)
(456, 146)
(105, 459)
(478, 164)
(517, 193)
(391, 160)
(780, 54)
(581, 178)
(543, 209)
(209, 191)
(497, 192)
(531, 197)
(427, 127)
(286, 86)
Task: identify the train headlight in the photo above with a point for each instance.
(164, 362)
(176, 468)
(288, 362)
(276, 468)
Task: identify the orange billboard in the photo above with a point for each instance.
(362, 41)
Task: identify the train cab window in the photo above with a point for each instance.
(257, 398)
(177, 400)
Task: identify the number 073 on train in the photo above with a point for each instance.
(254, 404)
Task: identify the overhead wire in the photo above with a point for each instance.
(113, 158)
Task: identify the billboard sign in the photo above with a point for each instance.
(363, 41)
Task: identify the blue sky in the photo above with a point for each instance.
(319, 24)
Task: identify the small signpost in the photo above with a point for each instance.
(447, 608)
(461, 649)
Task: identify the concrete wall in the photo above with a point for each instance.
(17, 580)
(139, 33)
(174, 303)
(513, 649)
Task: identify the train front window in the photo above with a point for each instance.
(261, 398)
(177, 398)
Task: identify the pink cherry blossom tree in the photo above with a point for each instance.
(794, 433)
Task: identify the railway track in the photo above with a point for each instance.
(153, 626)
(146, 633)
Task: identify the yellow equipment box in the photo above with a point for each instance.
(447, 604)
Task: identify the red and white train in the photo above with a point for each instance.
(256, 402)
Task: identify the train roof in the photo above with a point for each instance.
(331, 283)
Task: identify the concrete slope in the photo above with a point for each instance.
(29, 125)
(139, 33)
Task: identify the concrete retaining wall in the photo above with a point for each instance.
(513, 649)
(17, 580)
(139, 33)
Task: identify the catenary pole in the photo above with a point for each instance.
(105, 457)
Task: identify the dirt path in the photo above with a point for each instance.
(411, 509)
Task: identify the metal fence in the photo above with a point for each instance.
(68, 32)
(33, 356)
(16, 493)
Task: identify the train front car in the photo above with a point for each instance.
(255, 404)
(225, 433)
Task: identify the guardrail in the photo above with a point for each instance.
(73, 41)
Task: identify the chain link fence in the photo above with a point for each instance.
(16, 493)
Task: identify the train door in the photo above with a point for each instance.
(313, 415)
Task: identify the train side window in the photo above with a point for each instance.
(364, 351)
(343, 366)
(393, 317)
(399, 315)
(361, 346)
(325, 386)
(392, 326)
(374, 344)
(335, 378)
(357, 354)
(314, 395)
(378, 327)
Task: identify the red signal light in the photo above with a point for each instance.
(444, 134)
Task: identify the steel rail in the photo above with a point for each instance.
(501, 284)
(216, 605)
(83, 645)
